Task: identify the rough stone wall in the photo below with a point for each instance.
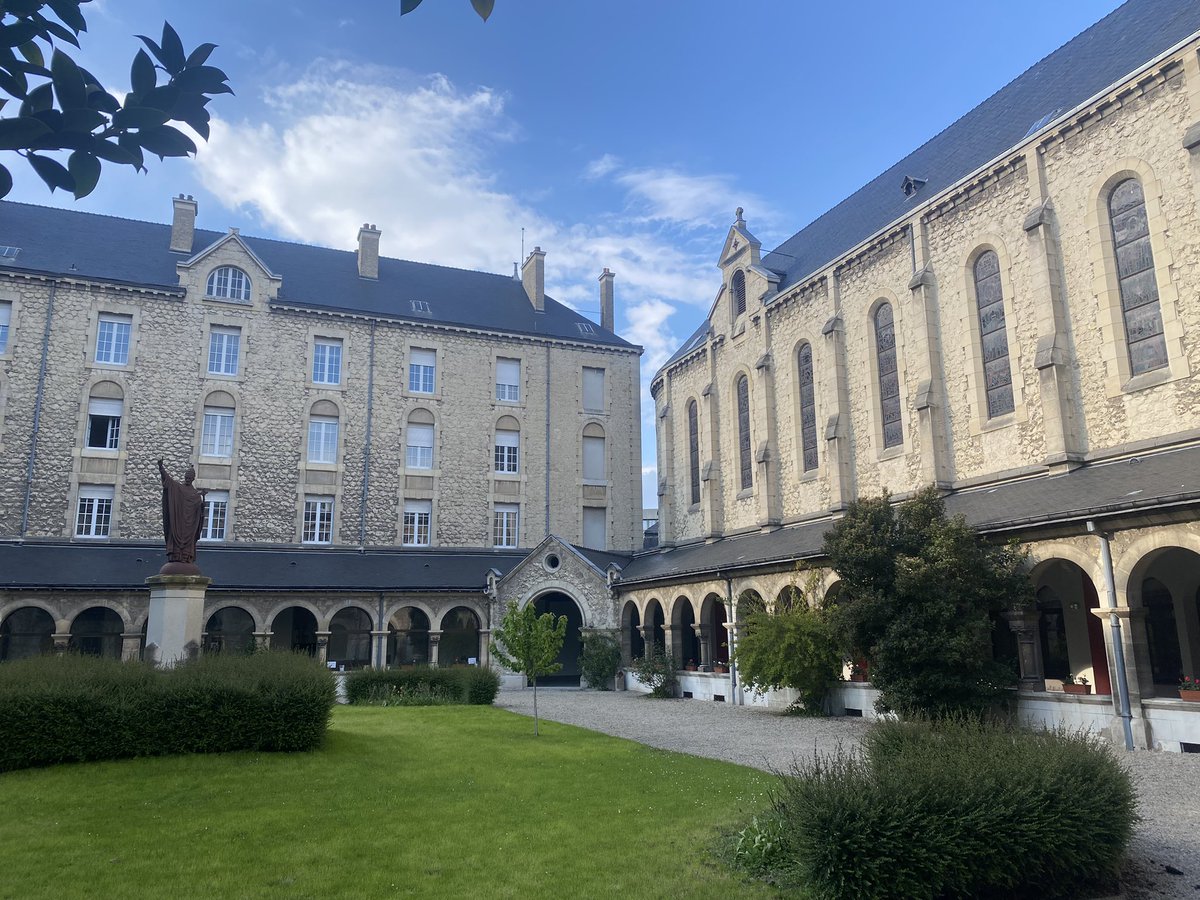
(574, 577)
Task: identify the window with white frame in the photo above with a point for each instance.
(229, 283)
(318, 520)
(5, 319)
(422, 370)
(322, 439)
(593, 454)
(327, 361)
(418, 451)
(215, 516)
(508, 379)
(506, 450)
(216, 434)
(505, 519)
(417, 515)
(593, 389)
(595, 521)
(224, 346)
(93, 515)
(112, 339)
(104, 423)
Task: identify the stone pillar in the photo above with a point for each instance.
(435, 639)
(62, 642)
(669, 638)
(485, 646)
(704, 633)
(665, 433)
(131, 645)
(766, 453)
(323, 646)
(647, 639)
(379, 649)
(836, 398)
(712, 479)
(262, 641)
(1137, 666)
(176, 615)
(1025, 625)
(930, 399)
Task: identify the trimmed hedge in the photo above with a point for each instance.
(57, 709)
(423, 686)
(962, 809)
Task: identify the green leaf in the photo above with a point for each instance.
(199, 56)
(142, 77)
(51, 172)
(152, 47)
(68, 11)
(139, 117)
(68, 81)
(58, 31)
(13, 83)
(33, 53)
(202, 80)
(85, 169)
(82, 121)
(103, 101)
(18, 33)
(164, 98)
(115, 153)
(174, 59)
(39, 99)
(21, 132)
(129, 143)
(166, 141)
(483, 7)
(407, 6)
(6, 182)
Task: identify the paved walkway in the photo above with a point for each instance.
(1164, 858)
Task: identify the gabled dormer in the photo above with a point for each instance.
(228, 271)
(745, 283)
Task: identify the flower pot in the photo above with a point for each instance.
(859, 677)
(721, 670)
(1190, 695)
(689, 668)
(1077, 688)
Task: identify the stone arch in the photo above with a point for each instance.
(685, 643)
(417, 603)
(274, 611)
(408, 640)
(229, 629)
(789, 597)
(1165, 582)
(325, 407)
(349, 604)
(26, 630)
(97, 631)
(653, 622)
(459, 639)
(1070, 640)
(633, 644)
(350, 637)
(563, 602)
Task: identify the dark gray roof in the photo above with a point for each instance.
(106, 248)
(695, 340)
(1118, 44)
(1156, 481)
(602, 559)
(45, 565)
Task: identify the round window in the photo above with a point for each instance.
(552, 562)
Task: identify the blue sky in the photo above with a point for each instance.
(619, 134)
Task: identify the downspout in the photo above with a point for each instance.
(1121, 700)
(366, 474)
(37, 411)
(547, 439)
(735, 696)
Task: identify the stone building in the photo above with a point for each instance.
(1010, 313)
(380, 440)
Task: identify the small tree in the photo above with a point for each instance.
(529, 644)
(599, 660)
(918, 593)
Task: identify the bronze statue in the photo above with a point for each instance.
(183, 518)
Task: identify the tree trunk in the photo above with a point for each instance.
(535, 713)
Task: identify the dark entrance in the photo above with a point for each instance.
(562, 605)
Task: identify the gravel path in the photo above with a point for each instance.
(1164, 858)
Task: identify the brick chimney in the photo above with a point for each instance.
(533, 276)
(368, 251)
(183, 223)
(606, 299)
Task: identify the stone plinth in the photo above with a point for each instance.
(176, 615)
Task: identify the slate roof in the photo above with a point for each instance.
(126, 251)
(38, 565)
(1159, 481)
(1117, 45)
(602, 559)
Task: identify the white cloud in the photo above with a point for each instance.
(598, 168)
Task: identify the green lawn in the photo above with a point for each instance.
(428, 802)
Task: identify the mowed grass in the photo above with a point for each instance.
(399, 802)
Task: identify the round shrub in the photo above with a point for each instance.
(599, 660)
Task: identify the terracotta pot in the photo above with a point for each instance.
(689, 668)
(721, 670)
(1077, 688)
(859, 677)
(1190, 695)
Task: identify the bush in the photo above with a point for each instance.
(75, 708)
(423, 686)
(960, 809)
(657, 672)
(599, 660)
(792, 648)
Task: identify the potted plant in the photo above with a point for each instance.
(691, 666)
(721, 667)
(1076, 684)
(1189, 688)
(858, 671)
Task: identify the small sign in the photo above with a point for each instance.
(331, 665)
(472, 660)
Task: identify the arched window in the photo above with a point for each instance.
(1135, 274)
(808, 408)
(694, 449)
(216, 432)
(507, 447)
(229, 283)
(350, 638)
(889, 379)
(595, 466)
(989, 299)
(105, 406)
(745, 458)
(737, 285)
(418, 448)
(97, 632)
(229, 630)
(408, 638)
(323, 432)
(26, 632)
(460, 638)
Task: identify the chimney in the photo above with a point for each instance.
(368, 252)
(533, 276)
(606, 299)
(183, 223)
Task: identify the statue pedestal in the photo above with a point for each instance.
(176, 615)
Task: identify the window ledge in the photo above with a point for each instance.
(506, 476)
(745, 494)
(321, 466)
(1148, 380)
(228, 301)
(810, 476)
(101, 452)
(890, 453)
(216, 460)
(996, 423)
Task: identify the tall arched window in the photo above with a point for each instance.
(889, 379)
(323, 424)
(694, 449)
(989, 298)
(229, 283)
(745, 459)
(1135, 273)
(808, 408)
(738, 286)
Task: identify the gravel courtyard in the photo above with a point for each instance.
(1164, 858)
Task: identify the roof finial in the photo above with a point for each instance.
(741, 223)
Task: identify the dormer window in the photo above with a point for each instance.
(737, 287)
(911, 185)
(420, 307)
(585, 328)
(229, 283)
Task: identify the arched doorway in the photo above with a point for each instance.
(408, 638)
(1071, 638)
(97, 632)
(26, 632)
(633, 645)
(460, 638)
(1166, 582)
(655, 622)
(562, 605)
(229, 630)
(350, 639)
(686, 651)
(295, 629)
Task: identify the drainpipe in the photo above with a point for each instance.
(735, 694)
(366, 476)
(547, 438)
(1121, 700)
(37, 411)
